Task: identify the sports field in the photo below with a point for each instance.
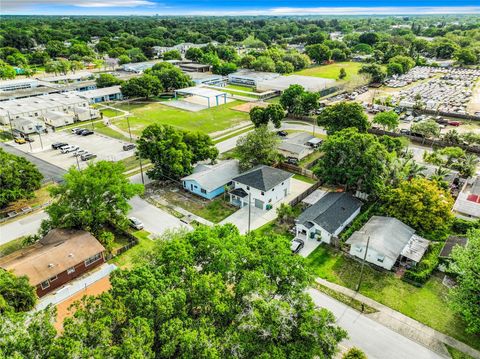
(209, 120)
(333, 70)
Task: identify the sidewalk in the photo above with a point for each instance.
(406, 326)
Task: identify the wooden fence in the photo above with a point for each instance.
(296, 169)
(305, 194)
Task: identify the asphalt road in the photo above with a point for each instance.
(48, 170)
(24, 226)
(376, 340)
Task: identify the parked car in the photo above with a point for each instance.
(404, 131)
(29, 139)
(128, 147)
(79, 152)
(58, 145)
(135, 223)
(69, 149)
(282, 133)
(454, 123)
(292, 160)
(86, 133)
(76, 131)
(87, 156)
(20, 140)
(297, 245)
(441, 121)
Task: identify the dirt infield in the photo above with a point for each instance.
(247, 106)
(62, 308)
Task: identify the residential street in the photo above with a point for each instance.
(376, 340)
(24, 226)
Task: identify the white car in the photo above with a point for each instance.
(297, 245)
(69, 149)
(79, 152)
(135, 223)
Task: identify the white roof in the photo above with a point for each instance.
(105, 91)
(72, 76)
(200, 91)
(213, 177)
(415, 248)
(308, 82)
(254, 75)
(465, 206)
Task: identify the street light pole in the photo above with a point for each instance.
(129, 130)
(141, 169)
(40, 137)
(249, 210)
(363, 264)
(78, 163)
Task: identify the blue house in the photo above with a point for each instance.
(209, 181)
(104, 94)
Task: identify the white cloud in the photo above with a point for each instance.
(31, 4)
(386, 10)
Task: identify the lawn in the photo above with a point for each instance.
(132, 162)
(100, 127)
(108, 112)
(127, 259)
(233, 134)
(332, 71)
(12, 246)
(208, 120)
(427, 304)
(304, 179)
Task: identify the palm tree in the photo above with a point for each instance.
(439, 174)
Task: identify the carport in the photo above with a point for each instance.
(202, 92)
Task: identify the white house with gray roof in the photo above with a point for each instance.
(327, 217)
(209, 181)
(266, 186)
(389, 240)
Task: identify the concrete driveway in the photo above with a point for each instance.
(260, 217)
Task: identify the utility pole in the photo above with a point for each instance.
(129, 130)
(249, 210)
(363, 265)
(141, 169)
(78, 163)
(40, 137)
(10, 122)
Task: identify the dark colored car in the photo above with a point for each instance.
(282, 133)
(128, 147)
(404, 131)
(57, 145)
(441, 121)
(29, 139)
(77, 131)
(291, 160)
(297, 245)
(86, 133)
(87, 156)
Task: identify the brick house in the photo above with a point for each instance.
(58, 258)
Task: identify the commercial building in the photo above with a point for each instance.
(139, 67)
(105, 94)
(70, 77)
(59, 257)
(250, 77)
(202, 78)
(281, 83)
(194, 67)
(28, 125)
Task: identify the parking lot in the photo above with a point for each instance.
(105, 148)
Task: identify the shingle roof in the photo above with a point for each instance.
(331, 211)
(263, 178)
(450, 243)
(212, 177)
(59, 250)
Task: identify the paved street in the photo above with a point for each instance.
(376, 340)
(22, 227)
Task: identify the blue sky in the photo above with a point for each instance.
(237, 7)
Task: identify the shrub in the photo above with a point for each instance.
(422, 271)
(354, 353)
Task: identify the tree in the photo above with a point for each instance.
(354, 353)
(452, 137)
(16, 293)
(258, 147)
(388, 120)
(173, 151)
(421, 204)
(210, 293)
(338, 55)
(427, 129)
(19, 178)
(273, 113)
(369, 38)
(194, 54)
(466, 56)
(225, 68)
(171, 77)
(144, 86)
(107, 80)
(343, 115)
(394, 68)
(91, 198)
(172, 55)
(354, 160)
(405, 61)
(297, 101)
(6, 71)
(342, 74)
(124, 59)
(264, 63)
(376, 73)
(466, 268)
(318, 53)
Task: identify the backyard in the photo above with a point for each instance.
(208, 120)
(426, 304)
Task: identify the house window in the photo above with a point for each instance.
(71, 270)
(93, 259)
(358, 249)
(45, 284)
(263, 193)
(273, 189)
(53, 278)
(248, 187)
(203, 191)
(380, 259)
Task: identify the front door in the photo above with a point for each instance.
(258, 203)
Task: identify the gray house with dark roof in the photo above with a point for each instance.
(266, 186)
(327, 217)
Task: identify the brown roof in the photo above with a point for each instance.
(59, 250)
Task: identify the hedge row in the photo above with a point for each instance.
(423, 270)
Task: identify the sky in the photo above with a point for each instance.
(238, 7)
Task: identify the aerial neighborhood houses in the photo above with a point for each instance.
(299, 145)
(467, 204)
(386, 241)
(58, 258)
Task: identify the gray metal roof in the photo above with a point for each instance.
(212, 177)
(263, 178)
(331, 211)
(388, 236)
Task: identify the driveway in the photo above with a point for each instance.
(376, 340)
(260, 217)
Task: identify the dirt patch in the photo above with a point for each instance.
(63, 311)
(247, 106)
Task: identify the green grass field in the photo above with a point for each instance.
(127, 259)
(241, 88)
(208, 120)
(333, 70)
(427, 304)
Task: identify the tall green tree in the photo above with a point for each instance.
(273, 113)
(6, 71)
(258, 147)
(374, 71)
(145, 86)
(91, 198)
(107, 80)
(343, 115)
(354, 160)
(465, 296)
(318, 52)
(296, 101)
(388, 120)
(16, 293)
(427, 129)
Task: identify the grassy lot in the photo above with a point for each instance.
(233, 134)
(5, 136)
(352, 302)
(235, 92)
(241, 88)
(132, 162)
(427, 304)
(127, 259)
(108, 131)
(213, 211)
(208, 120)
(108, 112)
(457, 354)
(304, 179)
(310, 158)
(10, 247)
(333, 70)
